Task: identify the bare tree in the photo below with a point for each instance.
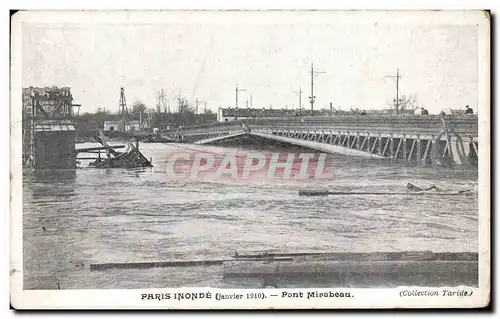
(408, 103)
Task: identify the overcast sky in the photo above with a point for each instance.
(206, 60)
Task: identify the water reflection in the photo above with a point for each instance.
(56, 184)
(51, 176)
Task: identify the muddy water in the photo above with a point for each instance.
(114, 215)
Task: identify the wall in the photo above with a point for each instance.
(55, 150)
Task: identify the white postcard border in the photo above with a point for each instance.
(363, 298)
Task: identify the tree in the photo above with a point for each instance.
(408, 103)
(209, 112)
(188, 115)
(138, 107)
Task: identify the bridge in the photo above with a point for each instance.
(415, 139)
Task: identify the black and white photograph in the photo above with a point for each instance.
(250, 159)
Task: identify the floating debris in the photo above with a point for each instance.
(130, 158)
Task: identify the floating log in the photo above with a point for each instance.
(387, 269)
(156, 264)
(349, 268)
(299, 257)
(374, 256)
(165, 264)
(326, 193)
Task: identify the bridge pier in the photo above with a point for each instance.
(392, 147)
(419, 149)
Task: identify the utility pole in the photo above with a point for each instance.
(158, 102)
(123, 107)
(198, 101)
(299, 92)
(238, 91)
(312, 98)
(396, 101)
(251, 104)
(179, 103)
(204, 113)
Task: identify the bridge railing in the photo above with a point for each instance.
(231, 127)
(467, 124)
(391, 121)
(380, 129)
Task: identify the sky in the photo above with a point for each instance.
(438, 63)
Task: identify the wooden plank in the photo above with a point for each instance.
(97, 148)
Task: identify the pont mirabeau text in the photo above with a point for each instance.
(316, 294)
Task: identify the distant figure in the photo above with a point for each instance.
(43, 228)
(468, 110)
(424, 111)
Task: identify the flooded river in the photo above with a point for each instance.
(74, 218)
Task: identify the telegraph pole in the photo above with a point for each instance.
(312, 98)
(179, 103)
(123, 107)
(251, 104)
(204, 113)
(238, 91)
(299, 92)
(198, 101)
(397, 77)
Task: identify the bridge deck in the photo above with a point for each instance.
(466, 125)
(328, 148)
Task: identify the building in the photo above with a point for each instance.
(134, 125)
(112, 125)
(233, 114)
(118, 126)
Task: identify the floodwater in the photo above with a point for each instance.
(74, 218)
